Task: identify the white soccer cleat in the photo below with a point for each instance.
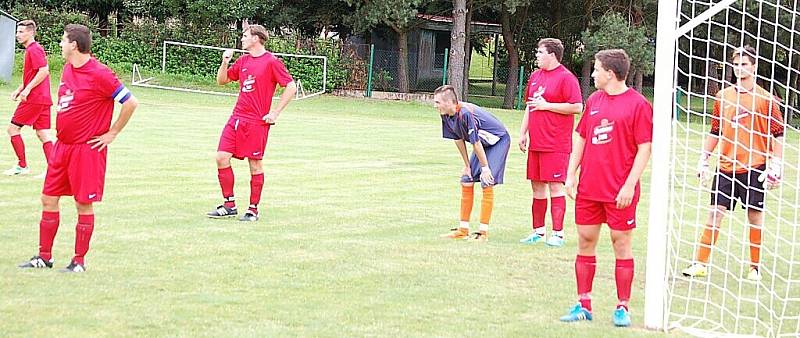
(695, 270)
(17, 170)
(754, 275)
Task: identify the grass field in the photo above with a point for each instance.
(356, 194)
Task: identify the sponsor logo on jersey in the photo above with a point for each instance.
(65, 100)
(602, 133)
(249, 84)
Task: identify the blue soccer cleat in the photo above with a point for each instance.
(621, 317)
(577, 313)
(533, 238)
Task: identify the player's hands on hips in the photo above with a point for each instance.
(772, 176)
(625, 196)
(523, 142)
(271, 118)
(227, 55)
(571, 185)
(486, 177)
(102, 141)
(703, 169)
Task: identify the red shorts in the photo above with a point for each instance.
(31, 114)
(588, 212)
(547, 166)
(244, 139)
(76, 170)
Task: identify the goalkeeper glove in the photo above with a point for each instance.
(703, 169)
(772, 176)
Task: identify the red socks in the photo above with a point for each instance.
(585, 267)
(538, 210)
(19, 149)
(558, 207)
(226, 180)
(48, 227)
(83, 235)
(623, 274)
(256, 185)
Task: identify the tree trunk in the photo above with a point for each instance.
(455, 76)
(402, 62)
(467, 50)
(586, 77)
(513, 60)
(712, 87)
(638, 81)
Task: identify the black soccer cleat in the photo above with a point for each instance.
(222, 212)
(249, 216)
(73, 267)
(36, 262)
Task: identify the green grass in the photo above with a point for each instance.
(357, 192)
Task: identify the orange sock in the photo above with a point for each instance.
(467, 194)
(755, 245)
(487, 203)
(708, 240)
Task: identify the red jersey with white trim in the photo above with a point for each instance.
(613, 127)
(35, 58)
(550, 131)
(86, 97)
(257, 78)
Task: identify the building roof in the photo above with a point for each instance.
(3, 13)
(446, 19)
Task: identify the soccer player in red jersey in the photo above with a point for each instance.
(554, 97)
(612, 150)
(77, 166)
(34, 95)
(245, 134)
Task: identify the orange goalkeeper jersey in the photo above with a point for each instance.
(745, 122)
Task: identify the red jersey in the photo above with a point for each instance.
(35, 58)
(86, 97)
(257, 78)
(613, 127)
(550, 131)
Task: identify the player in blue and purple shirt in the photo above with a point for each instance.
(466, 122)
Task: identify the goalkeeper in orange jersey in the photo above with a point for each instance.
(748, 127)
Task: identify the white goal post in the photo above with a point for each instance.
(302, 93)
(695, 40)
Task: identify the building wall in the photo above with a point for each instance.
(7, 46)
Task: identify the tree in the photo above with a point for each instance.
(614, 31)
(458, 54)
(400, 16)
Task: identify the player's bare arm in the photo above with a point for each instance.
(41, 74)
(523, 132)
(462, 150)
(625, 196)
(575, 158)
(222, 72)
(102, 141)
(560, 108)
(286, 97)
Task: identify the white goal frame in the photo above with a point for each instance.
(139, 81)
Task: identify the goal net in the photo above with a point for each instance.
(193, 68)
(696, 41)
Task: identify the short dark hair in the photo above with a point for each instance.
(81, 35)
(747, 51)
(28, 24)
(553, 46)
(259, 31)
(447, 91)
(615, 60)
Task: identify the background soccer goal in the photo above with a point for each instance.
(193, 68)
(695, 41)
